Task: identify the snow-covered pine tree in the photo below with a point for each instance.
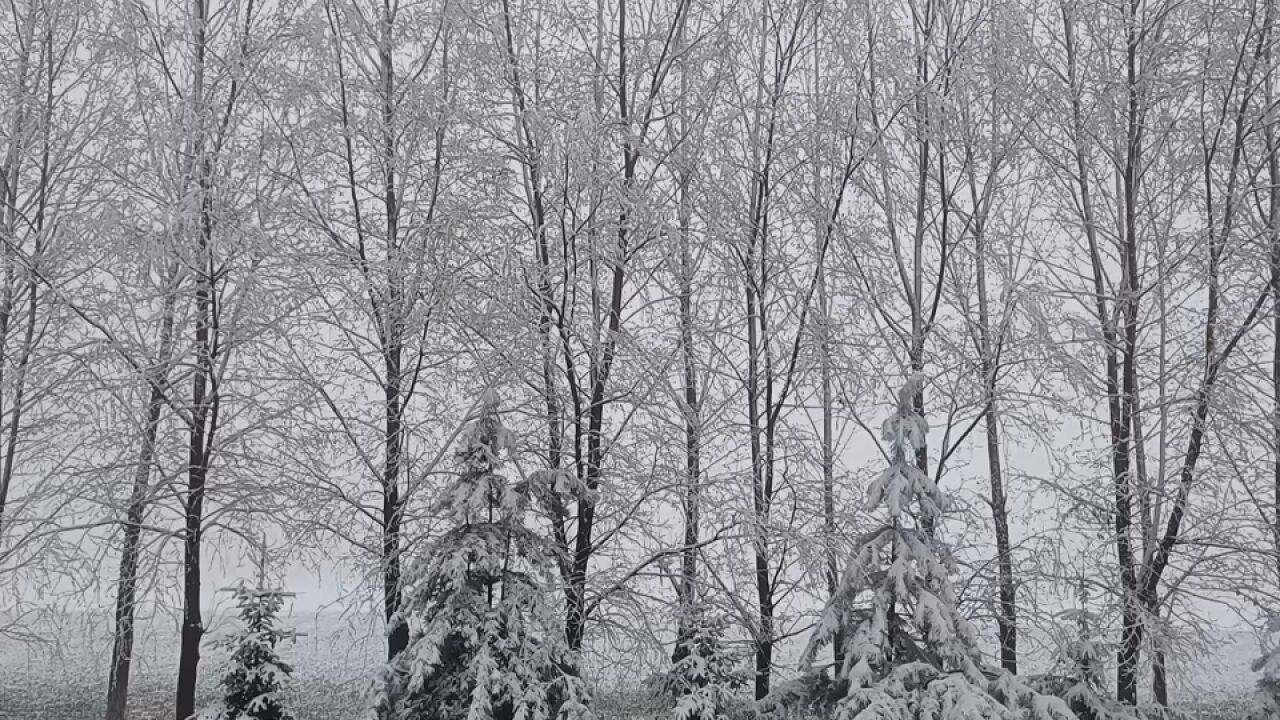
(908, 654)
(486, 639)
(706, 678)
(1081, 659)
(253, 683)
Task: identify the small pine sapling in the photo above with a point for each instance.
(908, 653)
(254, 682)
(706, 677)
(486, 640)
(1081, 657)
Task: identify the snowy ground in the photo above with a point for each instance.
(65, 679)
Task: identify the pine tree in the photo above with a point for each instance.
(486, 640)
(705, 680)
(253, 684)
(1081, 657)
(908, 653)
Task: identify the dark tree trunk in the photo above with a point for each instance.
(1159, 680)
(828, 463)
(201, 431)
(1131, 628)
(203, 413)
(392, 334)
(1118, 421)
(122, 647)
(1007, 620)
(1007, 616)
(126, 588)
(759, 493)
(583, 548)
(1159, 676)
(601, 367)
(689, 409)
(398, 631)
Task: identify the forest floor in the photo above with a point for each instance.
(65, 677)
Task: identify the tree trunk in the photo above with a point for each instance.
(601, 365)
(1118, 421)
(393, 317)
(1007, 617)
(689, 408)
(1131, 628)
(398, 631)
(139, 497)
(201, 428)
(203, 420)
(1159, 677)
(122, 646)
(692, 493)
(760, 546)
(1159, 680)
(583, 547)
(828, 462)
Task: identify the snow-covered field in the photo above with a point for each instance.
(64, 678)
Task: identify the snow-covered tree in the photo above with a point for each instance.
(253, 683)
(1080, 660)
(486, 637)
(706, 677)
(908, 653)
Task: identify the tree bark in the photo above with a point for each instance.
(1159, 676)
(1007, 617)
(203, 425)
(139, 499)
(122, 647)
(1131, 619)
(393, 318)
(760, 499)
(689, 408)
(1118, 420)
(398, 631)
(203, 414)
(828, 462)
